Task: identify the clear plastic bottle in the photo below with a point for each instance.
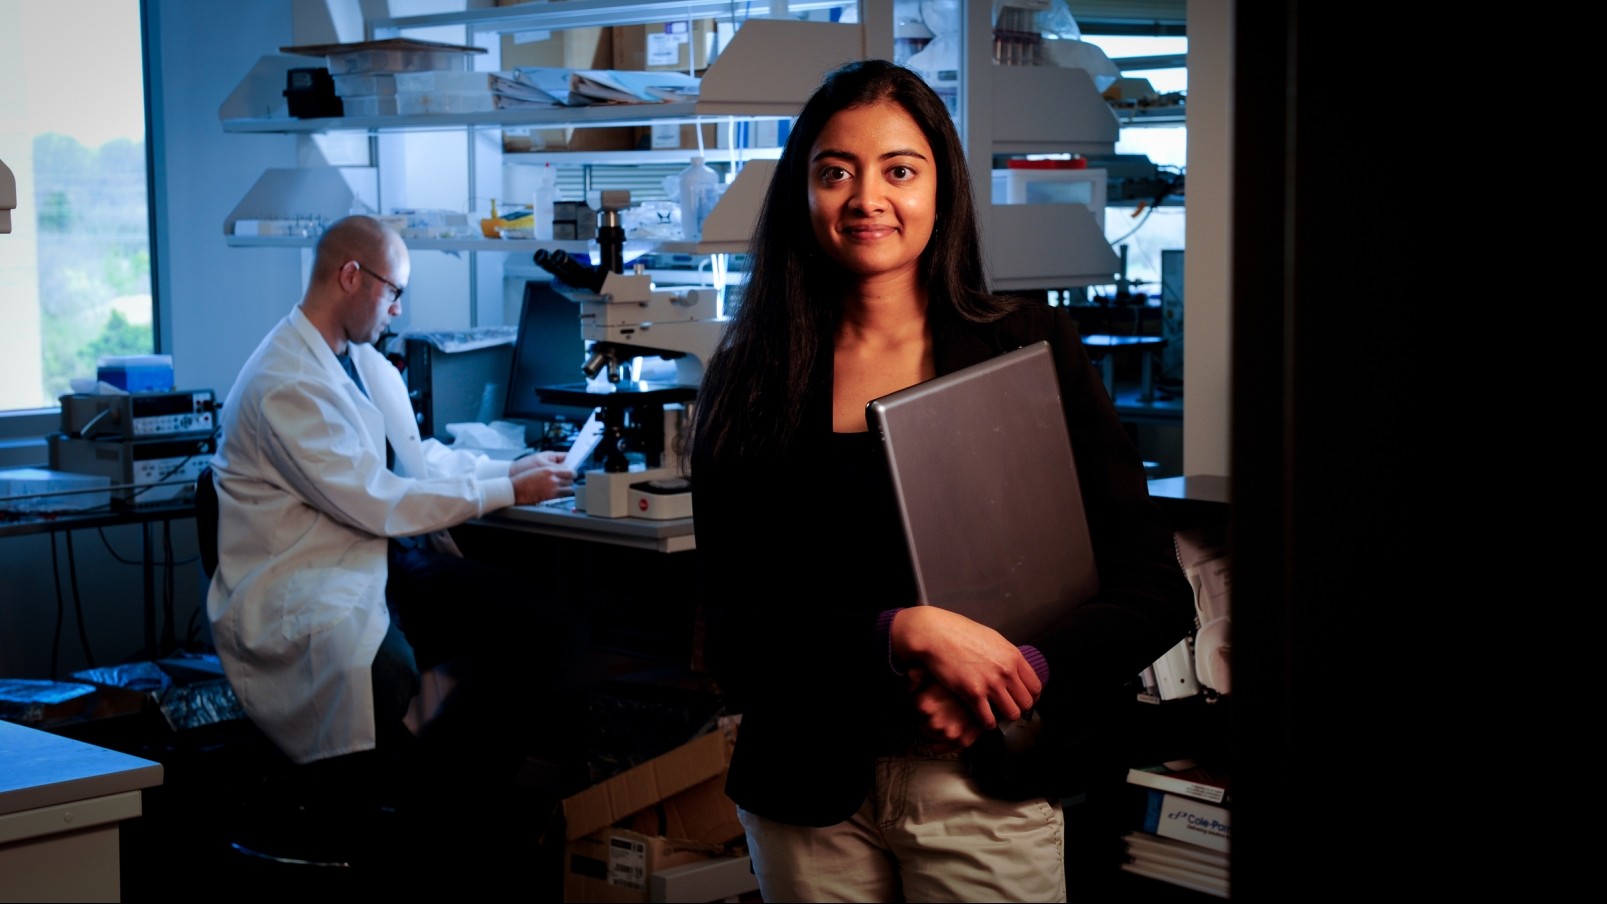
(546, 194)
(700, 188)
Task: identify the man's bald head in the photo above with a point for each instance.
(359, 238)
(359, 270)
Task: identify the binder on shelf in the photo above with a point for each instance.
(1184, 777)
(1183, 818)
(1185, 878)
(1143, 846)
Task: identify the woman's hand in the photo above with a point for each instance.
(940, 717)
(983, 670)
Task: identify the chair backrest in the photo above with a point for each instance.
(206, 520)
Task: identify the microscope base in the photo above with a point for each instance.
(607, 494)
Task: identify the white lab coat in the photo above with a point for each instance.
(305, 507)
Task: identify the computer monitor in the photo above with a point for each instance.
(549, 351)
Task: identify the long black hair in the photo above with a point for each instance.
(752, 394)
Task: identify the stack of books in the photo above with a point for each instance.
(1182, 829)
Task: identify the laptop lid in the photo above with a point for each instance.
(987, 488)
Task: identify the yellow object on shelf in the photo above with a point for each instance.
(491, 228)
(495, 225)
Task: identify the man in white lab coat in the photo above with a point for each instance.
(330, 507)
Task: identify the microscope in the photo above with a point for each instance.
(622, 317)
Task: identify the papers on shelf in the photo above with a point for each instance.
(585, 87)
(552, 81)
(630, 87)
(512, 92)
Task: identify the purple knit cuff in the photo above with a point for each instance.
(884, 638)
(1038, 663)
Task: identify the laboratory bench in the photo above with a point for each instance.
(62, 807)
(559, 518)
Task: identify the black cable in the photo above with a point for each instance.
(78, 601)
(169, 630)
(192, 635)
(1140, 225)
(163, 478)
(61, 610)
(113, 553)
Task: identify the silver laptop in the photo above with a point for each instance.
(987, 487)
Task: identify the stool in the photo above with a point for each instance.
(320, 826)
(1103, 347)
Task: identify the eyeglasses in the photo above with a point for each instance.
(396, 290)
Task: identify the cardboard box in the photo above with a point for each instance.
(665, 45)
(36, 701)
(187, 693)
(672, 136)
(597, 138)
(616, 864)
(571, 48)
(666, 812)
(755, 133)
(657, 781)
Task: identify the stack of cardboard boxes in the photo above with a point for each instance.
(662, 830)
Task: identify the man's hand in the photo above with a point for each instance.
(539, 477)
(984, 671)
(534, 460)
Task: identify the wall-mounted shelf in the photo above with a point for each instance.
(327, 193)
(1139, 117)
(744, 81)
(543, 16)
(467, 243)
(630, 158)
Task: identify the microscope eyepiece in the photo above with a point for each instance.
(566, 268)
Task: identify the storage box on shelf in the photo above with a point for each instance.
(390, 55)
(666, 45)
(425, 103)
(366, 84)
(571, 48)
(364, 74)
(371, 105)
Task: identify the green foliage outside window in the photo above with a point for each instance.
(94, 249)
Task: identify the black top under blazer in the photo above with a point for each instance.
(790, 612)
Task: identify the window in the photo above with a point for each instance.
(75, 271)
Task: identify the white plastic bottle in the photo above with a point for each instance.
(546, 194)
(699, 189)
